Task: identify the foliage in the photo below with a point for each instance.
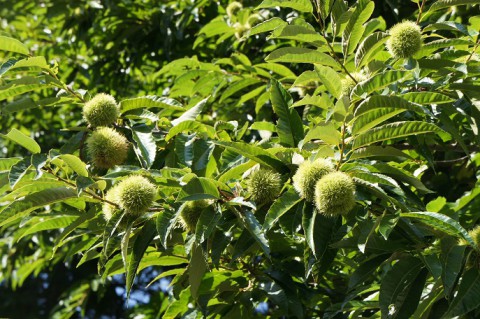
(208, 97)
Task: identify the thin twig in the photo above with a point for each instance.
(474, 49)
(50, 171)
(420, 11)
(342, 147)
(66, 87)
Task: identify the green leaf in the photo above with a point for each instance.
(190, 126)
(21, 208)
(427, 98)
(281, 206)
(23, 140)
(319, 230)
(301, 55)
(145, 147)
(165, 222)
(253, 226)
(299, 5)
(24, 85)
(373, 118)
(238, 86)
(26, 103)
(196, 269)
(17, 171)
(326, 132)
(49, 223)
(452, 262)
(299, 33)
(255, 153)
(330, 79)
(440, 4)
(198, 188)
(75, 163)
(268, 25)
(378, 82)
(13, 45)
(369, 47)
(7, 163)
(207, 223)
(289, 125)
(382, 101)
(59, 240)
(30, 187)
(184, 148)
(354, 29)
(378, 151)
(394, 130)
(443, 223)
(36, 62)
(140, 245)
(192, 113)
(468, 296)
(401, 288)
(150, 101)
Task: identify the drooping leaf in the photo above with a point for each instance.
(289, 125)
(18, 171)
(165, 222)
(468, 296)
(145, 147)
(139, 247)
(23, 140)
(401, 288)
(13, 45)
(196, 269)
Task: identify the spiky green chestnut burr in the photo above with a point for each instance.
(348, 83)
(405, 39)
(135, 194)
(233, 8)
(107, 148)
(264, 186)
(254, 19)
(108, 209)
(335, 194)
(475, 234)
(308, 174)
(190, 213)
(101, 110)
